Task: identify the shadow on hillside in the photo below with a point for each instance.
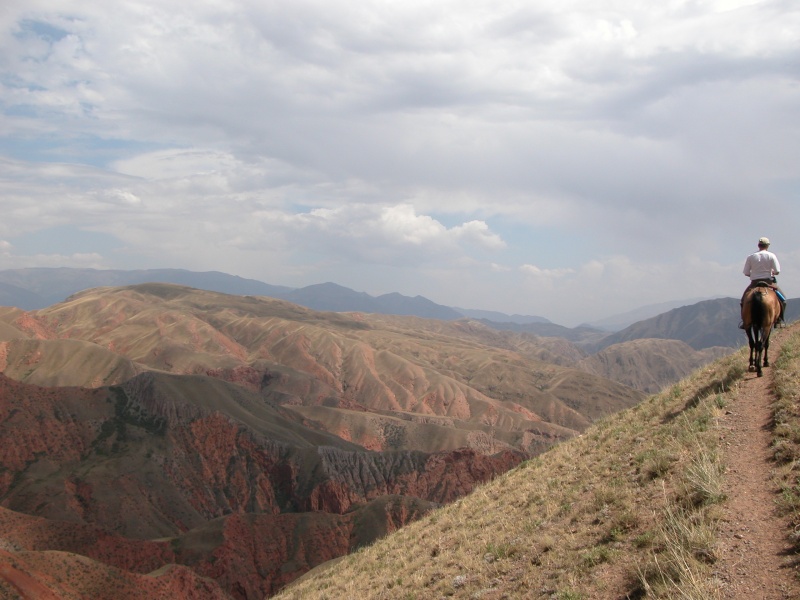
(715, 387)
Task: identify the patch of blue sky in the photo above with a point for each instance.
(85, 149)
(32, 150)
(546, 247)
(21, 110)
(40, 29)
(543, 246)
(14, 82)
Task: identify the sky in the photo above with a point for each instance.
(571, 160)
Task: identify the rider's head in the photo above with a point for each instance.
(763, 243)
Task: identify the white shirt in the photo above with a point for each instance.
(761, 265)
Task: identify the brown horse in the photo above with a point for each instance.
(760, 310)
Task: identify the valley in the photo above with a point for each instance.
(224, 437)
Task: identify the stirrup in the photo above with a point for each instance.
(741, 324)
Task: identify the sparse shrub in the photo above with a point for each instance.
(595, 556)
(702, 421)
(622, 523)
(569, 595)
(785, 451)
(786, 431)
(644, 539)
(787, 428)
(657, 464)
(789, 499)
(500, 551)
(606, 496)
(703, 479)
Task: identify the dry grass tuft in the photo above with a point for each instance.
(786, 432)
(630, 509)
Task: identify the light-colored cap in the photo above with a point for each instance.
(763, 241)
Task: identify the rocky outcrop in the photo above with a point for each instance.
(244, 493)
(249, 556)
(256, 555)
(346, 478)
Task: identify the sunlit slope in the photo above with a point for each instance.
(64, 363)
(475, 386)
(627, 510)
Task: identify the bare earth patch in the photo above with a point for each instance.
(753, 551)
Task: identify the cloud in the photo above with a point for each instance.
(394, 235)
(489, 146)
(547, 276)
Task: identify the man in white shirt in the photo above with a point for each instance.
(763, 266)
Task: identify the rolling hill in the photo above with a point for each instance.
(245, 439)
(381, 381)
(35, 288)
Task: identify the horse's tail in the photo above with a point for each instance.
(758, 309)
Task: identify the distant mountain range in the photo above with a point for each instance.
(704, 324)
(498, 317)
(32, 289)
(623, 320)
(333, 297)
(36, 288)
(707, 324)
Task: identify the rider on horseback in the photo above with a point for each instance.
(762, 267)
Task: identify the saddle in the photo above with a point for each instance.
(763, 283)
(767, 283)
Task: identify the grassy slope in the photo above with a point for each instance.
(629, 509)
(786, 433)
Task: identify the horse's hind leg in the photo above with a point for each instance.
(758, 342)
(759, 372)
(766, 350)
(752, 343)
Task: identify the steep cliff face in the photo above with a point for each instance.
(350, 478)
(253, 556)
(242, 556)
(247, 495)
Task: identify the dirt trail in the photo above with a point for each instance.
(753, 561)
